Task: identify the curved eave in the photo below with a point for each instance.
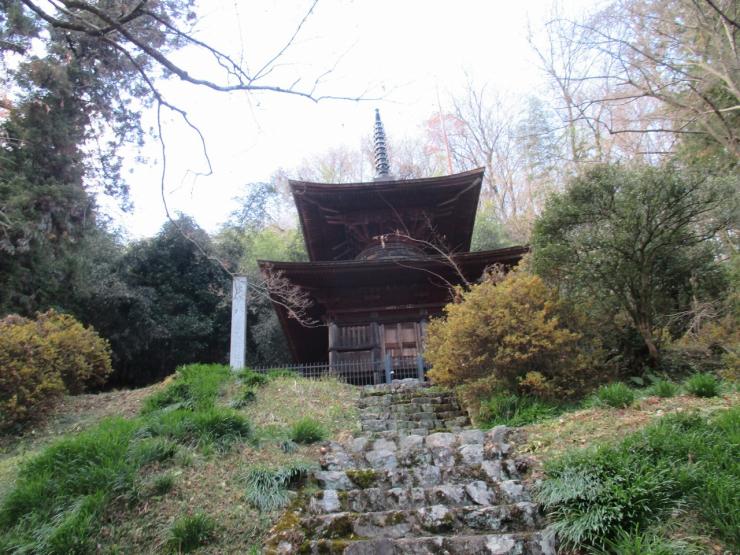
(345, 275)
(389, 185)
(455, 195)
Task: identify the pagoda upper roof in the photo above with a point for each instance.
(330, 213)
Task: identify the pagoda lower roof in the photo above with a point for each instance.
(449, 201)
(384, 287)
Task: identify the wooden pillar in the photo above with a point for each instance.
(238, 351)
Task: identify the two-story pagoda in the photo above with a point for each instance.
(384, 256)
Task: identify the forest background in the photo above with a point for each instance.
(633, 84)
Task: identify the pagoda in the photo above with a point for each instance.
(384, 257)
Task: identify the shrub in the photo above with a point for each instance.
(29, 382)
(516, 332)
(307, 430)
(513, 410)
(617, 395)
(267, 488)
(703, 385)
(664, 388)
(40, 360)
(190, 532)
(82, 356)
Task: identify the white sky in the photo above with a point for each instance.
(403, 50)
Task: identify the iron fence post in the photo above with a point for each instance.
(388, 368)
(420, 368)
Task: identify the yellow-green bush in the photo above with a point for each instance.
(40, 360)
(82, 356)
(29, 381)
(516, 335)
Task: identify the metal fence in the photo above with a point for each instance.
(359, 372)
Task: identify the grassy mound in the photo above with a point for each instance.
(611, 497)
(187, 470)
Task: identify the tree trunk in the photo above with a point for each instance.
(647, 337)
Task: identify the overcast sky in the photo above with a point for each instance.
(405, 52)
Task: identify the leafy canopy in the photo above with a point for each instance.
(634, 239)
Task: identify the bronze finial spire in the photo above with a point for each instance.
(382, 168)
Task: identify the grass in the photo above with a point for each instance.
(215, 427)
(703, 385)
(121, 484)
(163, 484)
(60, 494)
(267, 488)
(616, 395)
(190, 532)
(597, 497)
(285, 400)
(245, 396)
(515, 411)
(194, 387)
(664, 389)
(307, 430)
(250, 378)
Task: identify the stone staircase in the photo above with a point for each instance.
(417, 480)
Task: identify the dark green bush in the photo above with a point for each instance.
(307, 430)
(596, 496)
(190, 532)
(617, 395)
(703, 385)
(513, 410)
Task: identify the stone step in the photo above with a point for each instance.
(433, 402)
(420, 415)
(503, 474)
(528, 543)
(370, 499)
(434, 519)
(376, 425)
(401, 398)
